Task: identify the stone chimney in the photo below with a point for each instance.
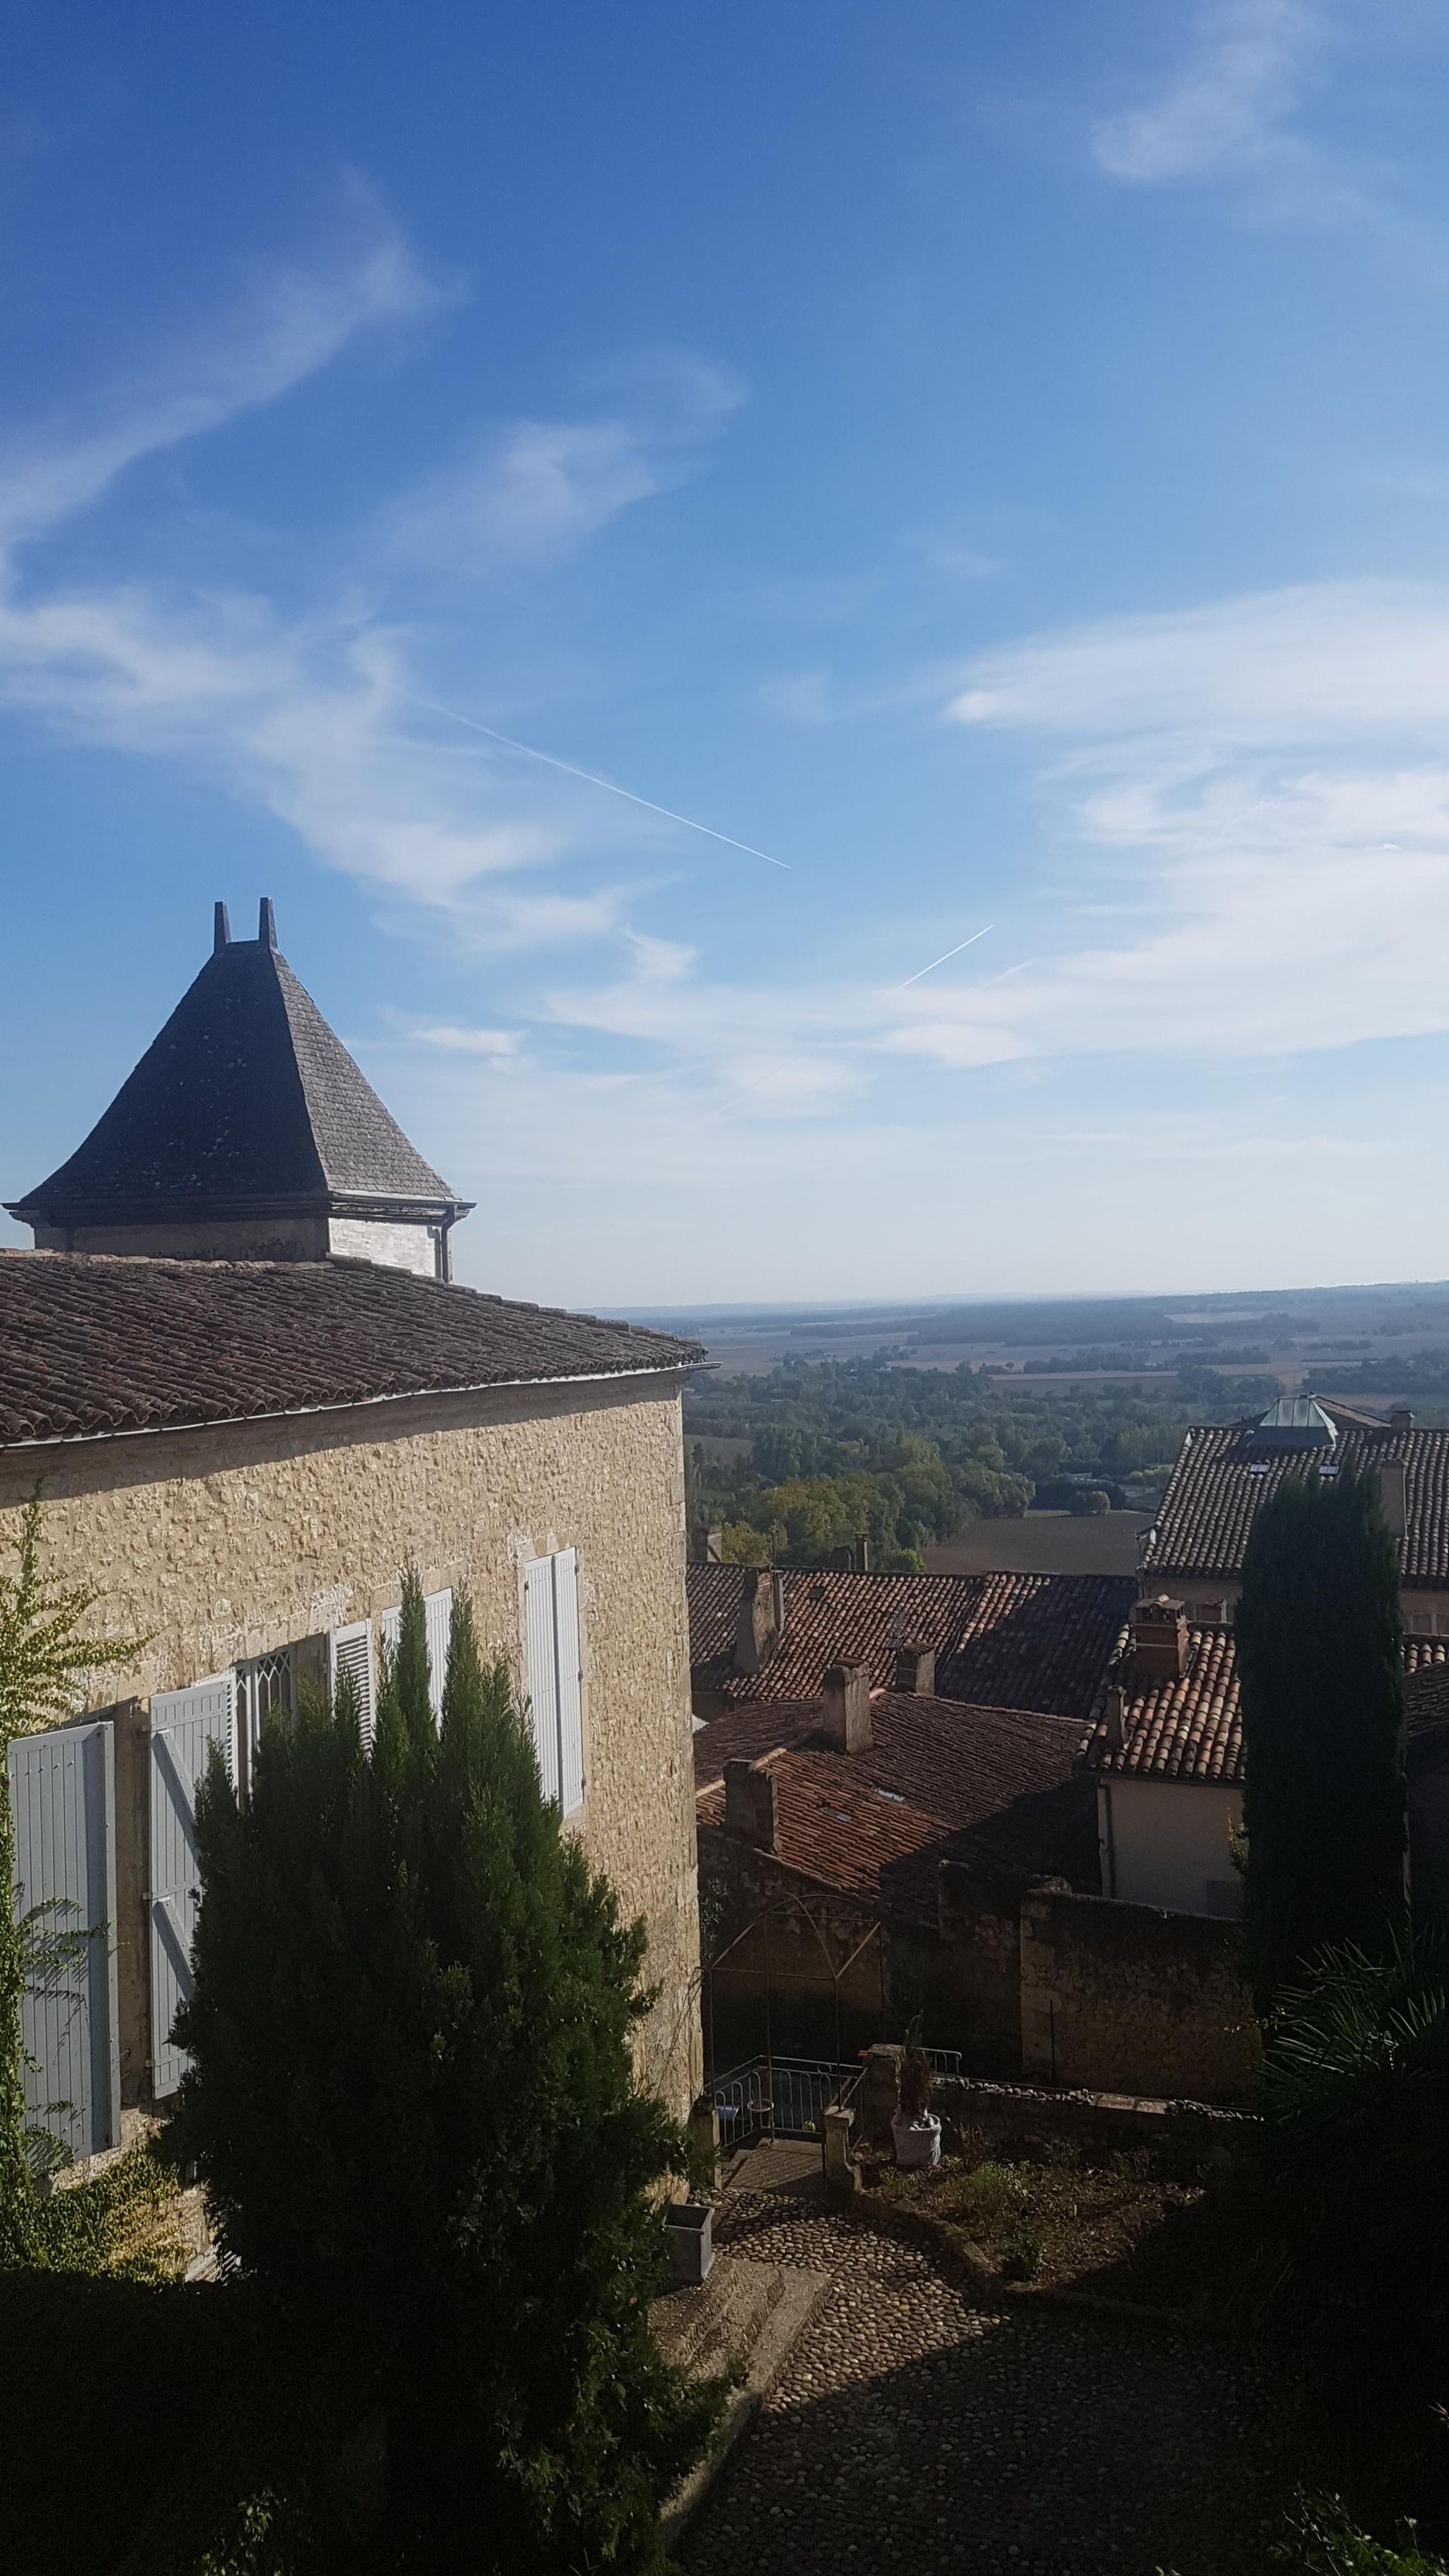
(757, 1630)
(777, 1600)
(1401, 1419)
(707, 1547)
(752, 1806)
(916, 1669)
(846, 1713)
(1394, 1494)
(1159, 1638)
(1116, 1716)
(862, 1552)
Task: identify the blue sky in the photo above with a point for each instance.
(991, 460)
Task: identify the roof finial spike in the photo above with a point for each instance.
(220, 930)
(267, 925)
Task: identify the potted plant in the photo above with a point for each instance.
(915, 2129)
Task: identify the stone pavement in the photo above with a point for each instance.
(910, 2429)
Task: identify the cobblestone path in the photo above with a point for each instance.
(912, 2430)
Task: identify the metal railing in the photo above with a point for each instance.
(787, 2097)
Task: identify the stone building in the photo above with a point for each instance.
(1166, 1752)
(1194, 1551)
(244, 1454)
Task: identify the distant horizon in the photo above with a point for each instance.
(954, 1300)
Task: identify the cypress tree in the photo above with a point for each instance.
(412, 2104)
(1320, 1662)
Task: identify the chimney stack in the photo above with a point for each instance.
(846, 1712)
(752, 1806)
(757, 1630)
(707, 1547)
(266, 923)
(1159, 1637)
(220, 929)
(862, 1552)
(1401, 1419)
(1394, 1495)
(916, 1669)
(1116, 1716)
(777, 1600)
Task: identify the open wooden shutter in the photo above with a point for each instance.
(555, 1698)
(570, 1680)
(185, 1725)
(350, 1651)
(438, 1619)
(438, 1611)
(542, 1669)
(63, 1803)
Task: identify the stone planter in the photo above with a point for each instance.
(691, 2239)
(917, 2142)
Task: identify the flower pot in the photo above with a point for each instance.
(917, 2142)
(691, 2239)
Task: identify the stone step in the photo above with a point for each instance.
(711, 2322)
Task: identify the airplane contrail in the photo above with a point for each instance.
(942, 961)
(592, 779)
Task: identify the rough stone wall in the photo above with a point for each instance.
(229, 1541)
(977, 1997)
(818, 1944)
(1128, 1999)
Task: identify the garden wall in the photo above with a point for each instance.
(1130, 1999)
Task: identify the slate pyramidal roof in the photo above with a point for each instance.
(245, 1105)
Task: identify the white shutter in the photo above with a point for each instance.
(541, 1661)
(63, 1802)
(350, 1651)
(437, 1620)
(570, 1680)
(184, 1726)
(555, 1693)
(438, 1612)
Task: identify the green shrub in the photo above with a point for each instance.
(412, 2105)
(1323, 2542)
(1346, 2221)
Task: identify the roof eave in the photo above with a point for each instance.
(344, 1404)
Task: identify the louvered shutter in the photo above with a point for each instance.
(437, 1620)
(542, 1669)
(555, 1690)
(570, 1680)
(438, 1611)
(184, 1726)
(63, 1805)
(350, 1651)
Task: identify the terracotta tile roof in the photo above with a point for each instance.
(1191, 1729)
(1222, 1475)
(1036, 1641)
(91, 1346)
(994, 1786)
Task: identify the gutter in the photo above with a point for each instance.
(344, 1404)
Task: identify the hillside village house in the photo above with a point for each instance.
(894, 1817)
(244, 1441)
(1166, 1743)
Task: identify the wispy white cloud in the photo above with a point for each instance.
(286, 323)
(1226, 106)
(530, 490)
(315, 717)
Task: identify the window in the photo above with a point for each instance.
(438, 1615)
(350, 1651)
(554, 1681)
(263, 1690)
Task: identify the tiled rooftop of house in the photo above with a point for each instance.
(92, 1346)
(1189, 1727)
(1032, 1641)
(939, 1781)
(1223, 1471)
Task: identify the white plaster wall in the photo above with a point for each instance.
(393, 1247)
(1163, 1842)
